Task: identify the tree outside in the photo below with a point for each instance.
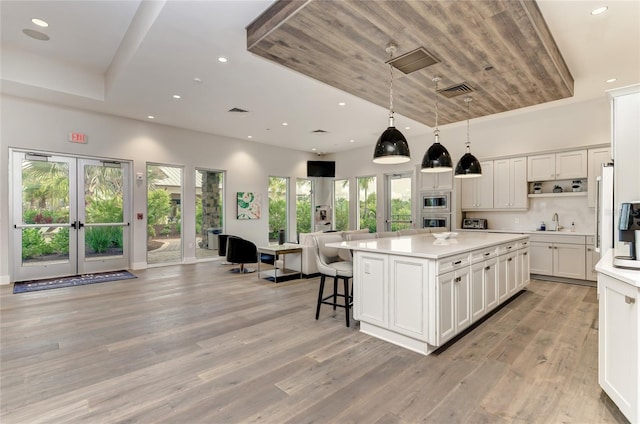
(277, 206)
(341, 204)
(303, 206)
(367, 203)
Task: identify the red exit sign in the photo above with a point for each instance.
(75, 137)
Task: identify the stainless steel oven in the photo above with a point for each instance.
(436, 201)
(430, 220)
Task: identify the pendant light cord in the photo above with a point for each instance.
(468, 102)
(436, 131)
(390, 49)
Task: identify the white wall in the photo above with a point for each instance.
(37, 126)
(515, 133)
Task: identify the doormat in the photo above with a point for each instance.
(76, 280)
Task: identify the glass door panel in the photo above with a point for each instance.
(44, 204)
(103, 233)
(400, 201)
(164, 212)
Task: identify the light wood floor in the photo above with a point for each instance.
(195, 344)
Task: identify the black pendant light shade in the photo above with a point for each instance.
(391, 147)
(468, 167)
(436, 159)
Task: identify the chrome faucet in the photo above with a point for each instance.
(556, 222)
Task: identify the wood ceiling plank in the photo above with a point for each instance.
(341, 43)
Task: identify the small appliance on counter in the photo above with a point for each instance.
(629, 232)
(475, 224)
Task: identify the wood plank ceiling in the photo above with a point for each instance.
(501, 48)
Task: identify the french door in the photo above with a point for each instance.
(70, 215)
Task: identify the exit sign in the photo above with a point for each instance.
(75, 137)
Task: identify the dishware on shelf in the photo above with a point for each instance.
(576, 185)
(557, 189)
(537, 188)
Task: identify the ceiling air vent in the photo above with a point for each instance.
(410, 62)
(318, 131)
(456, 90)
(238, 110)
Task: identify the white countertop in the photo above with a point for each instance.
(558, 233)
(605, 266)
(426, 246)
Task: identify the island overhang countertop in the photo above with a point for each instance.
(428, 247)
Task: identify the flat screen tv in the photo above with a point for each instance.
(320, 168)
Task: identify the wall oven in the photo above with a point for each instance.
(430, 220)
(436, 201)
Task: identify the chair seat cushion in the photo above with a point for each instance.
(343, 268)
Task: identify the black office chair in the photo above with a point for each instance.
(241, 251)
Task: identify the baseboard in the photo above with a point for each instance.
(139, 265)
(5, 279)
(564, 280)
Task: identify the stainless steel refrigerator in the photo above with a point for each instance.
(605, 211)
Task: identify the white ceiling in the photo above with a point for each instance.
(128, 58)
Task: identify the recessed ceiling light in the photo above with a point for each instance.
(40, 22)
(177, 96)
(352, 141)
(223, 59)
(341, 104)
(249, 136)
(599, 10)
(285, 124)
(313, 150)
(407, 128)
(197, 80)
(612, 80)
(151, 117)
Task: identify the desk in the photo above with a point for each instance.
(276, 250)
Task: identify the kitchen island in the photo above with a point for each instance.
(418, 292)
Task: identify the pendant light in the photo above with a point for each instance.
(391, 147)
(436, 158)
(468, 166)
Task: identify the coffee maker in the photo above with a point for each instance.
(629, 232)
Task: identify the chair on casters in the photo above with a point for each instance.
(333, 262)
(241, 251)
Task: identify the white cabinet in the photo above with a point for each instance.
(592, 258)
(523, 269)
(436, 180)
(506, 276)
(371, 303)
(408, 304)
(477, 193)
(557, 166)
(551, 256)
(510, 183)
(595, 159)
(454, 302)
(484, 288)
(619, 344)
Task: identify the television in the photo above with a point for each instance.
(319, 168)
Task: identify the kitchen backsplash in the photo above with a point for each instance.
(569, 209)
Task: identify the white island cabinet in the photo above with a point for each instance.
(619, 336)
(419, 293)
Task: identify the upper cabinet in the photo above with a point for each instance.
(436, 180)
(596, 158)
(557, 166)
(510, 183)
(477, 193)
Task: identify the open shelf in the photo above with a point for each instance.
(563, 194)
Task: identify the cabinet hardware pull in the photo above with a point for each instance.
(457, 262)
(458, 279)
(509, 247)
(629, 300)
(525, 253)
(487, 268)
(589, 249)
(550, 247)
(509, 260)
(487, 254)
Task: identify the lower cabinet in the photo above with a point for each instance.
(592, 258)
(408, 306)
(372, 304)
(484, 288)
(506, 276)
(454, 302)
(523, 268)
(557, 258)
(619, 344)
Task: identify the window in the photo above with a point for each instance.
(209, 212)
(278, 218)
(164, 214)
(304, 205)
(367, 203)
(399, 206)
(341, 202)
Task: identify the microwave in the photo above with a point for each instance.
(436, 220)
(436, 201)
(474, 224)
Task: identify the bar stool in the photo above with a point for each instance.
(333, 262)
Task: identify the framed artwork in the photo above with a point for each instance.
(248, 205)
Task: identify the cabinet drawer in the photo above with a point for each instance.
(453, 262)
(556, 238)
(506, 248)
(482, 254)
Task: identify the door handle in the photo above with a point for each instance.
(629, 300)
